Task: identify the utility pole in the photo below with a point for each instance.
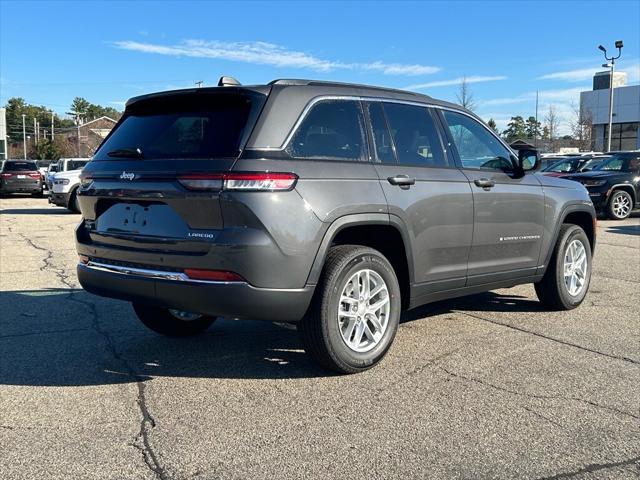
(612, 63)
(535, 130)
(35, 132)
(52, 125)
(199, 83)
(78, 126)
(24, 137)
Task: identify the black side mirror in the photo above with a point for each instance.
(528, 160)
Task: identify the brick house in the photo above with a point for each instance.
(91, 134)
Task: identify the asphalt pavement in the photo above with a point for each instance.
(488, 386)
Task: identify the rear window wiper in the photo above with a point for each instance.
(126, 152)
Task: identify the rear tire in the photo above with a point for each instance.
(343, 330)
(560, 289)
(162, 321)
(620, 205)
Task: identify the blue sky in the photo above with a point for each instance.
(107, 52)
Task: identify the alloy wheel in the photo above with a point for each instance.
(621, 206)
(575, 267)
(363, 310)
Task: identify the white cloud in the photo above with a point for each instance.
(263, 53)
(563, 100)
(565, 95)
(578, 75)
(581, 74)
(455, 81)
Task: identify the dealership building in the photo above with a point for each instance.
(626, 112)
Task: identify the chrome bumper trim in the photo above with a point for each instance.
(147, 273)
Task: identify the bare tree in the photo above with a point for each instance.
(464, 95)
(552, 122)
(581, 126)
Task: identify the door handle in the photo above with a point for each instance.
(403, 181)
(485, 183)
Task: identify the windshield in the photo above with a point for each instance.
(591, 164)
(20, 167)
(76, 164)
(184, 127)
(563, 166)
(620, 163)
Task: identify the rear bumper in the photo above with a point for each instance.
(21, 188)
(228, 299)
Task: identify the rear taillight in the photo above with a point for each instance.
(267, 182)
(256, 181)
(6, 175)
(35, 175)
(212, 275)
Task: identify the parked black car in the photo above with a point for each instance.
(20, 176)
(334, 206)
(614, 185)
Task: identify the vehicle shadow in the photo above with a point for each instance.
(624, 229)
(63, 337)
(481, 302)
(35, 211)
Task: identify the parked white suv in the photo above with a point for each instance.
(63, 189)
(64, 165)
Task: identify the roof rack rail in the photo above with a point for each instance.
(295, 81)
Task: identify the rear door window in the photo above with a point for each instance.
(183, 127)
(332, 130)
(415, 135)
(381, 134)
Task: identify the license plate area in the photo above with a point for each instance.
(156, 220)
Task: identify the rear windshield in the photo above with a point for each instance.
(183, 127)
(20, 167)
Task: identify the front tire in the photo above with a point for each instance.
(620, 205)
(566, 281)
(355, 313)
(73, 202)
(172, 323)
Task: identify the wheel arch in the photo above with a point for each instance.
(627, 187)
(378, 231)
(582, 215)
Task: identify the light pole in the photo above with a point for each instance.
(612, 63)
(24, 137)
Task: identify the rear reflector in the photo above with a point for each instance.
(257, 182)
(201, 181)
(212, 275)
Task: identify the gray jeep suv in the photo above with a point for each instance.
(334, 206)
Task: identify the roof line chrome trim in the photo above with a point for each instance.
(148, 273)
(359, 98)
